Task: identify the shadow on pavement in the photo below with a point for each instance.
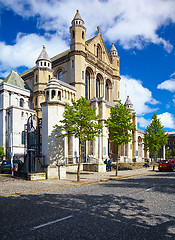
(103, 216)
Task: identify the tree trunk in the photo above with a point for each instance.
(117, 161)
(154, 160)
(78, 169)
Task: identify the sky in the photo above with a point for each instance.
(143, 32)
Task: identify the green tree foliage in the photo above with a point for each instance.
(120, 127)
(154, 137)
(1, 151)
(79, 120)
(167, 153)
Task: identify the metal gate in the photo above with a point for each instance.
(34, 143)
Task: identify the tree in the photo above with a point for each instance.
(79, 120)
(154, 137)
(167, 153)
(1, 151)
(120, 127)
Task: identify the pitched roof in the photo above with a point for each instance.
(113, 48)
(43, 55)
(128, 102)
(14, 79)
(77, 16)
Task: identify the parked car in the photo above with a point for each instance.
(167, 165)
(6, 166)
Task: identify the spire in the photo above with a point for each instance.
(113, 51)
(77, 20)
(128, 103)
(98, 29)
(43, 55)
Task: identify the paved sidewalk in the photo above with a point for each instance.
(15, 186)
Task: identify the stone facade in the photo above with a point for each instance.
(15, 109)
(86, 69)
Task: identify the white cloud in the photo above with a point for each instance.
(167, 85)
(173, 74)
(141, 97)
(167, 119)
(132, 23)
(26, 50)
(143, 123)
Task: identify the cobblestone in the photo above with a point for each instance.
(16, 186)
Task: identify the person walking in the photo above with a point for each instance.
(106, 162)
(109, 165)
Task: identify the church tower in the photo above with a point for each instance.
(77, 31)
(77, 55)
(42, 74)
(113, 54)
(134, 144)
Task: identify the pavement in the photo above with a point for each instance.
(13, 186)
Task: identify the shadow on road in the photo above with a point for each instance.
(103, 216)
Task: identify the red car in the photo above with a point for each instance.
(167, 165)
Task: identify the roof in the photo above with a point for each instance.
(60, 55)
(14, 79)
(66, 85)
(128, 101)
(43, 55)
(77, 16)
(113, 48)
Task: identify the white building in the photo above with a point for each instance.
(15, 109)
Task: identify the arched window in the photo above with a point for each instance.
(87, 87)
(47, 95)
(53, 94)
(36, 79)
(36, 101)
(82, 34)
(21, 102)
(60, 75)
(73, 34)
(99, 52)
(107, 91)
(59, 95)
(97, 87)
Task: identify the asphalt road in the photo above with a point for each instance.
(135, 208)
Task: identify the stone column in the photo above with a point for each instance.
(99, 148)
(163, 151)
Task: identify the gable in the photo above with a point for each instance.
(98, 40)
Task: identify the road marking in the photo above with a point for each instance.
(49, 223)
(149, 189)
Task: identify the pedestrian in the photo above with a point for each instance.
(109, 165)
(106, 162)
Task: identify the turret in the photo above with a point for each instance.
(128, 104)
(42, 74)
(43, 60)
(77, 31)
(53, 90)
(113, 54)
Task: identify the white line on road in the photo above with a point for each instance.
(149, 189)
(58, 220)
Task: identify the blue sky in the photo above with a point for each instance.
(142, 31)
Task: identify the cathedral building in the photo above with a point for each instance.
(86, 69)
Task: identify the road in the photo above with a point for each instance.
(134, 208)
